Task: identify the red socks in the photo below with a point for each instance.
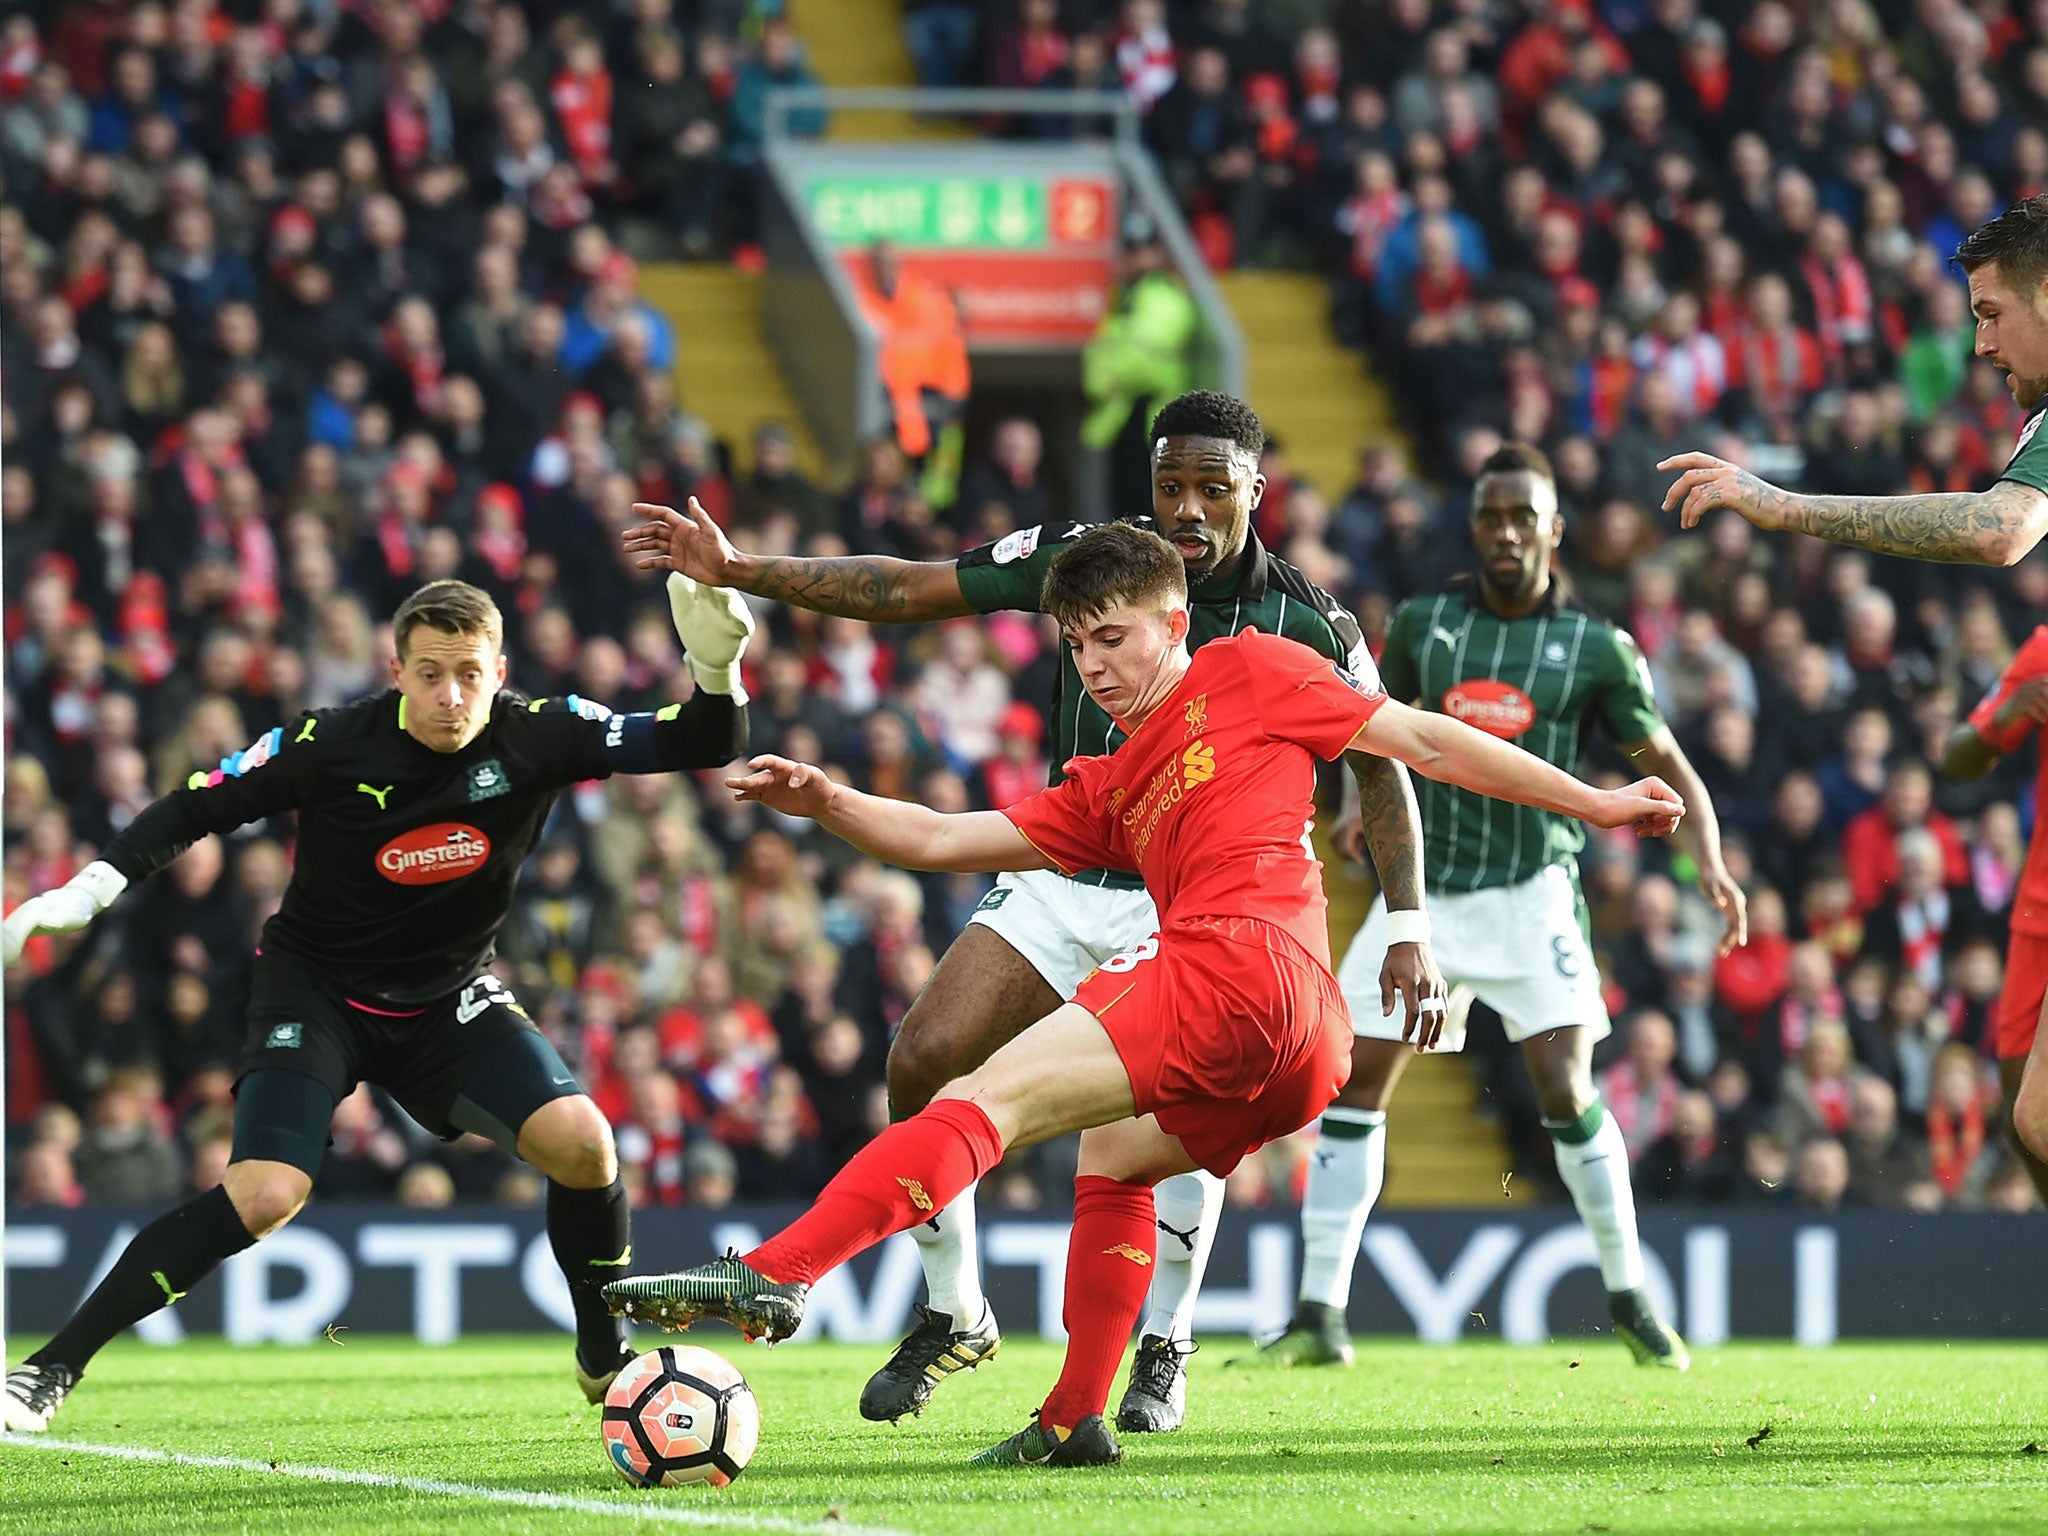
(1109, 1271)
(911, 1170)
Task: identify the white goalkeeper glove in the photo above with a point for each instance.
(65, 910)
(714, 624)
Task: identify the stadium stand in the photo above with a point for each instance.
(302, 304)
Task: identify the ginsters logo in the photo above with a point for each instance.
(433, 855)
(1497, 708)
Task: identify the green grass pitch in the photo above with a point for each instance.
(1897, 1437)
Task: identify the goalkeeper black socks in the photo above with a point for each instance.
(591, 1233)
(167, 1258)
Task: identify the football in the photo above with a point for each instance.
(680, 1415)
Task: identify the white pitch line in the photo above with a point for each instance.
(479, 1492)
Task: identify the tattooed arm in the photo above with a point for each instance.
(1390, 826)
(870, 587)
(1994, 527)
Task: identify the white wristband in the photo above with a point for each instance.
(1408, 927)
(102, 882)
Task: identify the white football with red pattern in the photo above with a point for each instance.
(679, 1415)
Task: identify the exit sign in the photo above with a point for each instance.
(963, 213)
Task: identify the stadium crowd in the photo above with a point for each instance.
(303, 305)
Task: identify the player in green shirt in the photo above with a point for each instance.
(2007, 264)
(1039, 934)
(1510, 653)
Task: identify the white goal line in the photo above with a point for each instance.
(616, 1509)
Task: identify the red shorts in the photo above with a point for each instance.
(2019, 1005)
(1233, 1034)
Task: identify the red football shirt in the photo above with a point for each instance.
(2030, 901)
(1211, 800)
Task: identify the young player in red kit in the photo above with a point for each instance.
(1997, 726)
(1196, 1047)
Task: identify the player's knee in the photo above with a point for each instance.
(1564, 1090)
(266, 1195)
(580, 1154)
(1376, 1066)
(920, 1064)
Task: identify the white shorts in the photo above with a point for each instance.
(1517, 948)
(1063, 927)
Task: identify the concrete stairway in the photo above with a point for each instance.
(1315, 396)
(725, 373)
(860, 42)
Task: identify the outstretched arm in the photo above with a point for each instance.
(1661, 755)
(261, 780)
(1456, 753)
(1994, 527)
(871, 587)
(894, 831)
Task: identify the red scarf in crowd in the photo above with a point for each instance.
(1440, 295)
(583, 106)
(1844, 307)
(1830, 1099)
(1607, 384)
(406, 131)
(247, 112)
(1955, 1142)
(1780, 367)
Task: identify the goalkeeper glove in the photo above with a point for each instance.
(714, 624)
(65, 910)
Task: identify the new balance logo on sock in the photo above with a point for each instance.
(170, 1296)
(918, 1197)
(1186, 1239)
(1137, 1256)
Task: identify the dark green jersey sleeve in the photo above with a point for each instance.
(1398, 674)
(2029, 463)
(1628, 700)
(274, 773)
(1010, 573)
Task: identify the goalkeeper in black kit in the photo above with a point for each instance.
(417, 807)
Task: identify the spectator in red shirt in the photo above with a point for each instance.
(1540, 57)
(1870, 843)
(1750, 980)
(581, 94)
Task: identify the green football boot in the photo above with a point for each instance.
(1088, 1444)
(1319, 1335)
(728, 1289)
(1650, 1341)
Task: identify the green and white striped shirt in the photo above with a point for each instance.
(1541, 681)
